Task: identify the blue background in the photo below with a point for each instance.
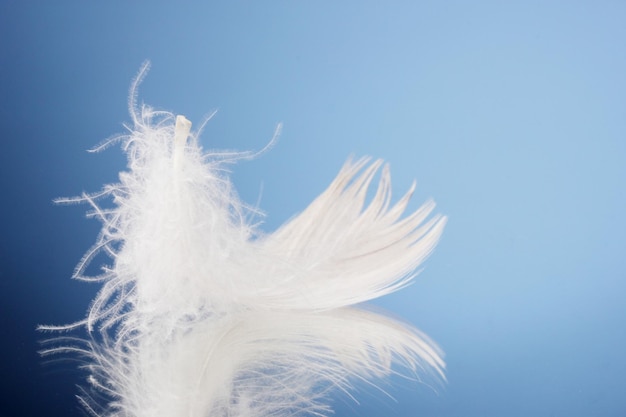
(512, 115)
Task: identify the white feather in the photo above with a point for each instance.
(201, 315)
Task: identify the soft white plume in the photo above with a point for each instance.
(201, 315)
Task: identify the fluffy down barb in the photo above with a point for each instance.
(200, 315)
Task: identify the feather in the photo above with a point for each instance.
(200, 314)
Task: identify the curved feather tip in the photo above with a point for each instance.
(201, 315)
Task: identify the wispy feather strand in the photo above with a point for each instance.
(201, 315)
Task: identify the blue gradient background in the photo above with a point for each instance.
(512, 115)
